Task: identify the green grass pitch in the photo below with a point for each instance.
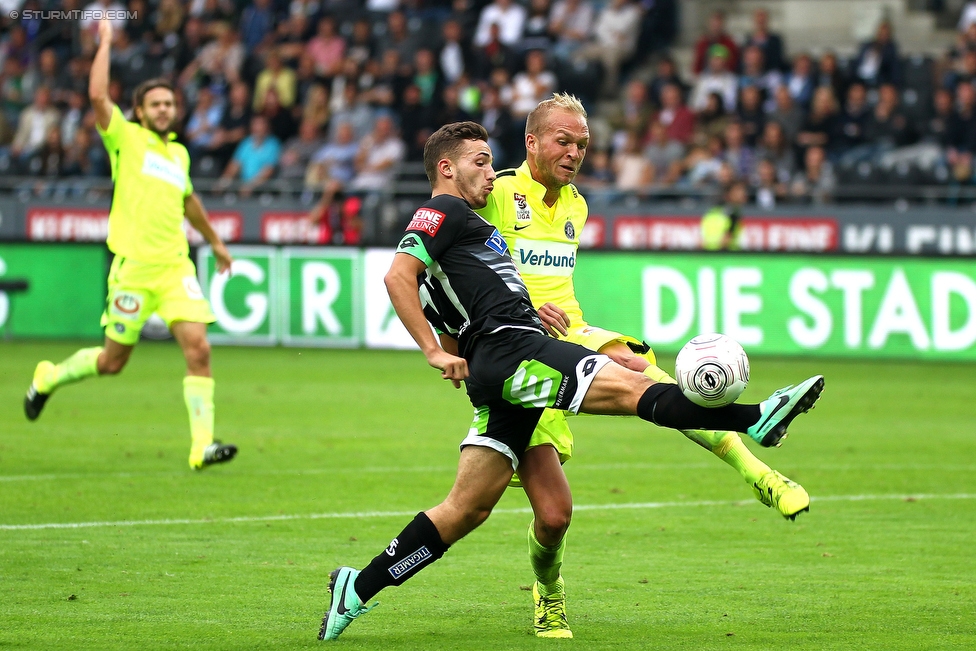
(668, 549)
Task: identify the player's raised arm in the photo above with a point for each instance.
(197, 215)
(401, 283)
(98, 78)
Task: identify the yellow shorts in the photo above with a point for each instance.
(137, 289)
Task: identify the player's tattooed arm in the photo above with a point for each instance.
(401, 283)
(197, 216)
(554, 319)
(98, 78)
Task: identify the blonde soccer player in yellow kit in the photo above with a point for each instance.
(541, 214)
(152, 271)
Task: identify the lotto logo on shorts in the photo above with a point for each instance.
(192, 287)
(126, 305)
(410, 562)
(426, 220)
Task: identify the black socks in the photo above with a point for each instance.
(417, 546)
(664, 404)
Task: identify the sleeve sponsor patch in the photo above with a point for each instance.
(426, 220)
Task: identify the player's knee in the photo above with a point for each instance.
(198, 354)
(111, 365)
(553, 524)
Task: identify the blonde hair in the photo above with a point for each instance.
(537, 118)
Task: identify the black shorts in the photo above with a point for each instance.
(516, 373)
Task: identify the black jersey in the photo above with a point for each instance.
(472, 283)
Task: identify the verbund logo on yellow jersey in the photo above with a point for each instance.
(544, 258)
(164, 169)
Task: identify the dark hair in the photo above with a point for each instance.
(150, 84)
(447, 142)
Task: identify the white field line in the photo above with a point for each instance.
(574, 468)
(403, 514)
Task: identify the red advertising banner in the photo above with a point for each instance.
(758, 233)
(594, 234)
(67, 224)
(229, 225)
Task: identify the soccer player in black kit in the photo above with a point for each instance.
(459, 266)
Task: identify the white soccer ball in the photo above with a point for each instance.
(712, 370)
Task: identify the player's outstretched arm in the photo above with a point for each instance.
(98, 78)
(401, 283)
(197, 215)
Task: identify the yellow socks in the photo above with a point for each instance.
(198, 394)
(546, 561)
(84, 363)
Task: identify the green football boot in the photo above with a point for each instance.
(778, 410)
(344, 605)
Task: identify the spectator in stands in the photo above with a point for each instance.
(427, 78)
(233, 124)
(632, 113)
(278, 78)
(281, 122)
(505, 141)
(77, 162)
(596, 173)
(510, 18)
(453, 58)
(48, 160)
(45, 73)
(716, 79)
(298, 152)
(188, 46)
(255, 159)
(531, 86)
(71, 120)
(750, 114)
(332, 168)
(570, 24)
(816, 183)
(291, 39)
(169, 18)
(494, 54)
(707, 166)
(775, 148)
(936, 129)
(417, 122)
(204, 123)
(711, 121)
(663, 154)
(316, 107)
(379, 154)
(769, 189)
(72, 79)
(887, 126)
(631, 170)
(675, 116)
(614, 41)
(801, 81)
(35, 122)
(362, 46)
(770, 44)
(389, 78)
(665, 72)
(257, 22)
(354, 110)
(787, 114)
(964, 70)
(968, 16)
(715, 35)
(449, 109)
(305, 79)
(535, 34)
(398, 36)
(219, 62)
(754, 73)
(327, 49)
(829, 73)
(852, 120)
(739, 155)
(878, 62)
(819, 128)
(962, 133)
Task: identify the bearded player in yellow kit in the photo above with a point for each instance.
(152, 271)
(541, 214)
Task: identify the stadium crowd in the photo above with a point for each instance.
(333, 95)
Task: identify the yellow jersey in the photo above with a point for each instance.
(152, 179)
(543, 240)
